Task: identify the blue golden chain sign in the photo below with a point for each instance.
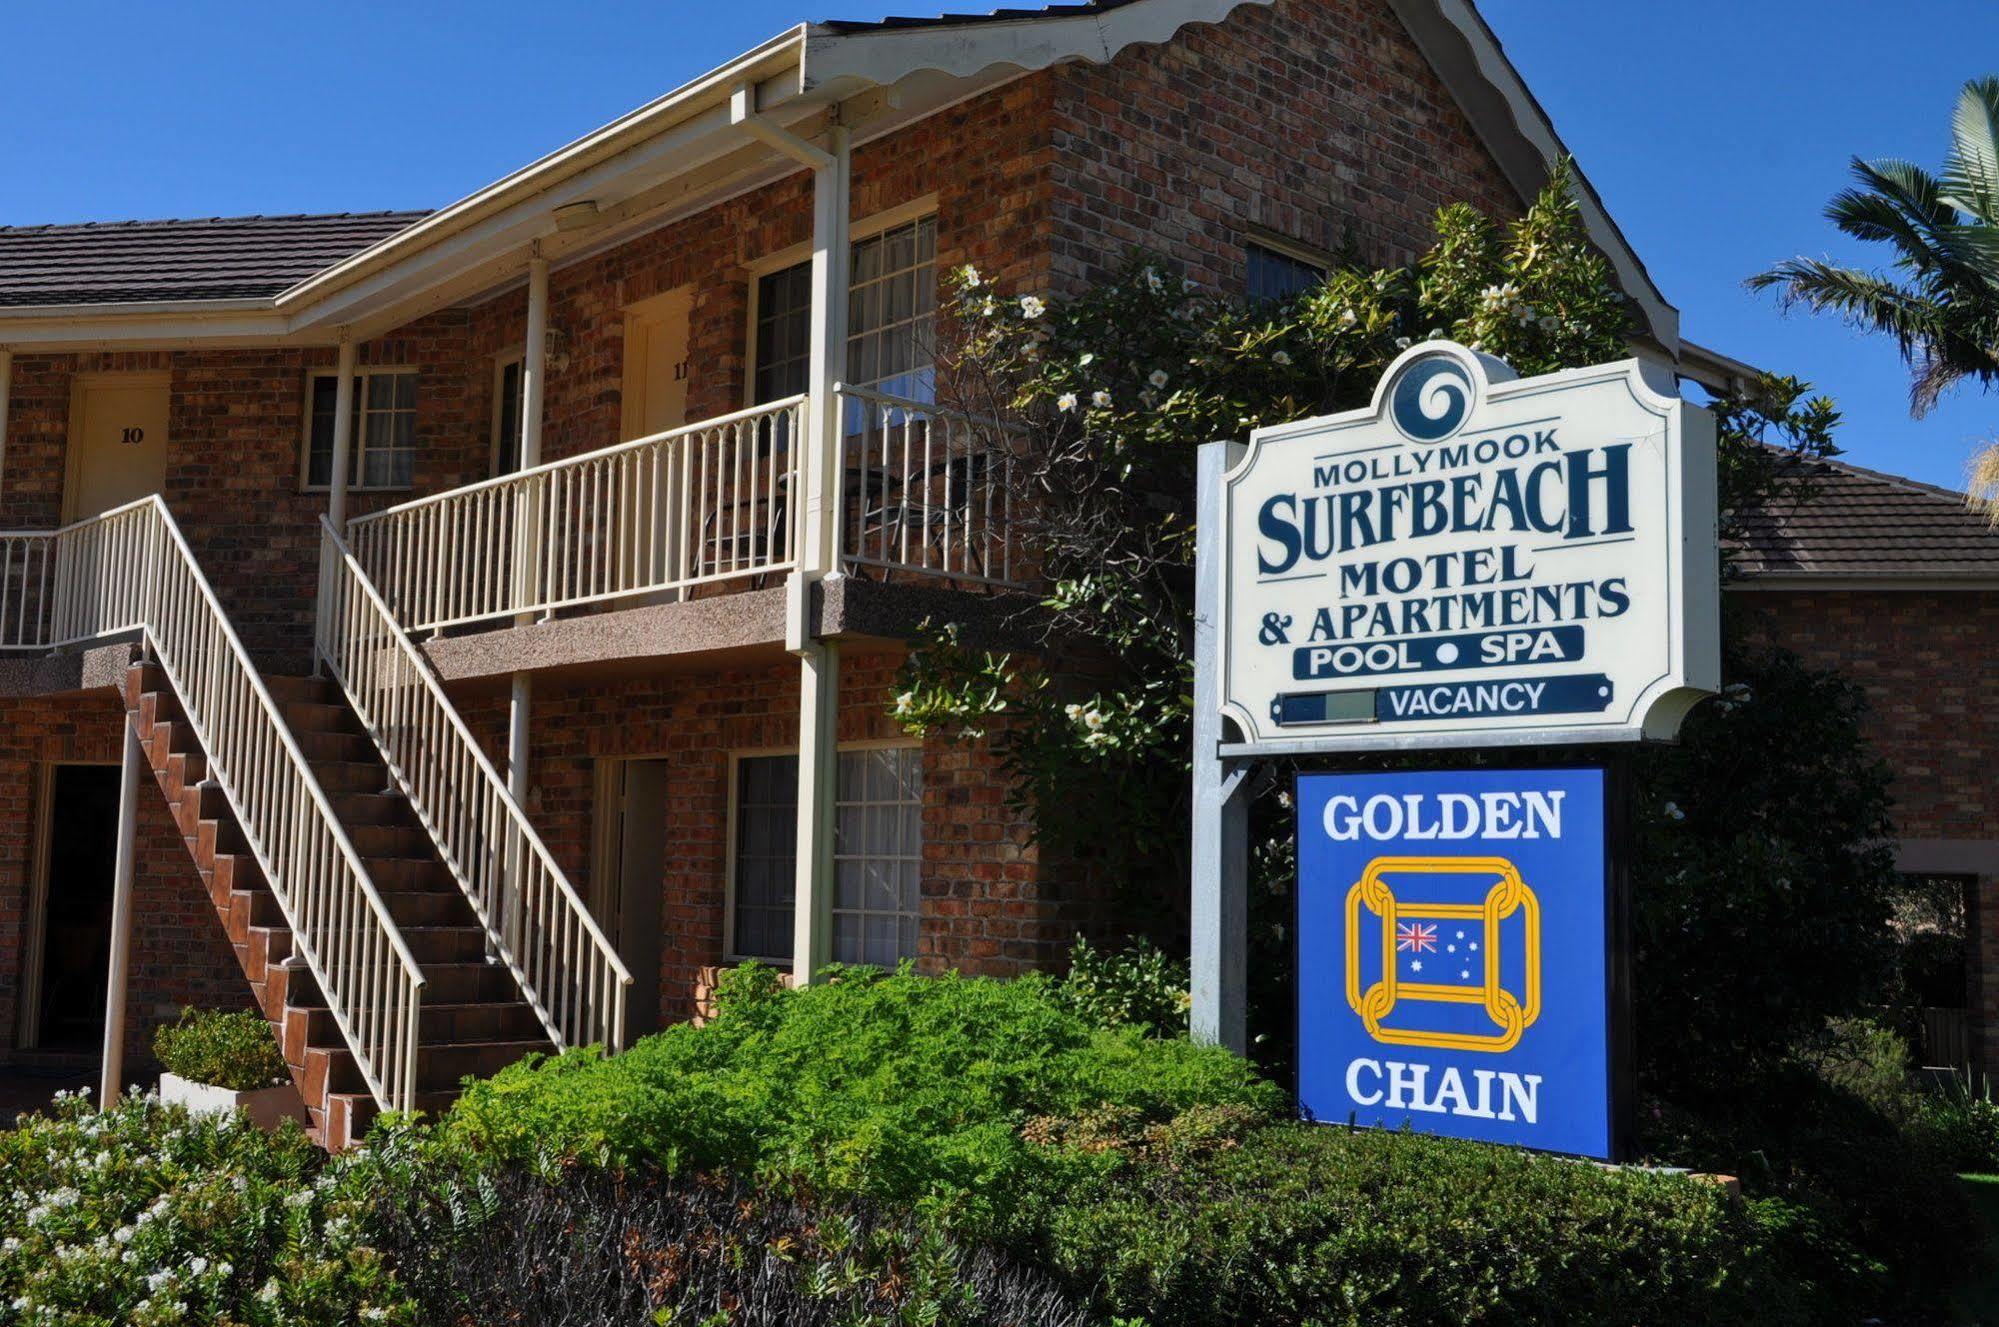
(1509, 897)
(1454, 946)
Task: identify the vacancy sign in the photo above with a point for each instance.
(1453, 927)
(1474, 559)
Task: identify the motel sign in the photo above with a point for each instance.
(1473, 560)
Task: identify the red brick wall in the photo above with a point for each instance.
(235, 431)
(986, 905)
(987, 162)
(1319, 119)
(180, 953)
(1924, 659)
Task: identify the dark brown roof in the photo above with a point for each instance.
(1078, 9)
(216, 258)
(1837, 519)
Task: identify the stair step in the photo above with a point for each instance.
(350, 776)
(342, 747)
(437, 1025)
(446, 1066)
(399, 875)
(373, 808)
(285, 687)
(389, 841)
(314, 716)
(444, 944)
(348, 1114)
(436, 907)
(477, 982)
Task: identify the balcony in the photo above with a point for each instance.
(922, 497)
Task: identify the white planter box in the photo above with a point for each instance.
(266, 1107)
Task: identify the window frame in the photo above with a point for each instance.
(1283, 246)
(502, 361)
(358, 442)
(916, 209)
(730, 956)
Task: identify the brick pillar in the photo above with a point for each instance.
(1982, 975)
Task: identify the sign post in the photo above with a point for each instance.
(1473, 560)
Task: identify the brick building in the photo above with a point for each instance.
(588, 694)
(1895, 585)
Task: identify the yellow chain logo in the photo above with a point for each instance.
(1511, 1014)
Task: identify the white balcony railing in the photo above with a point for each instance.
(130, 571)
(534, 920)
(926, 490)
(698, 505)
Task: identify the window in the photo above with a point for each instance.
(766, 855)
(383, 441)
(507, 416)
(784, 333)
(877, 855)
(891, 317)
(1274, 275)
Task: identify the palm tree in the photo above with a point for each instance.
(1941, 304)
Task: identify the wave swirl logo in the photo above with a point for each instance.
(1431, 399)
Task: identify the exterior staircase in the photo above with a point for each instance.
(473, 1018)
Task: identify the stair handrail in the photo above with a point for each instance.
(535, 921)
(130, 569)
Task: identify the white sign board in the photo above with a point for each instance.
(1473, 560)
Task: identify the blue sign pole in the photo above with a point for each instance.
(1462, 964)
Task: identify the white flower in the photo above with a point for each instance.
(1031, 306)
(1401, 343)
(970, 275)
(1152, 281)
(1074, 712)
(1089, 358)
(1549, 322)
(197, 1265)
(1349, 318)
(1158, 378)
(1282, 359)
(1673, 811)
(1100, 398)
(1066, 402)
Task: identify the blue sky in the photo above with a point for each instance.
(1715, 130)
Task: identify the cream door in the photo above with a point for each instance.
(656, 364)
(117, 441)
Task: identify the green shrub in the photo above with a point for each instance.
(144, 1214)
(1310, 1224)
(479, 1243)
(1959, 1124)
(228, 1050)
(1871, 1218)
(1867, 1059)
(895, 1088)
(1136, 986)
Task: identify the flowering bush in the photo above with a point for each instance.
(227, 1050)
(1117, 387)
(144, 1215)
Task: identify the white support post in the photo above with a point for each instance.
(533, 379)
(1219, 965)
(819, 660)
(343, 435)
(116, 983)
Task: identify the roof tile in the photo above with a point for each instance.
(212, 258)
(1842, 520)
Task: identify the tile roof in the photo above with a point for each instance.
(1845, 521)
(1078, 9)
(215, 258)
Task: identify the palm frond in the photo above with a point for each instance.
(1863, 298)
(1911, 193)
(1971, 171)
(1982, 482)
